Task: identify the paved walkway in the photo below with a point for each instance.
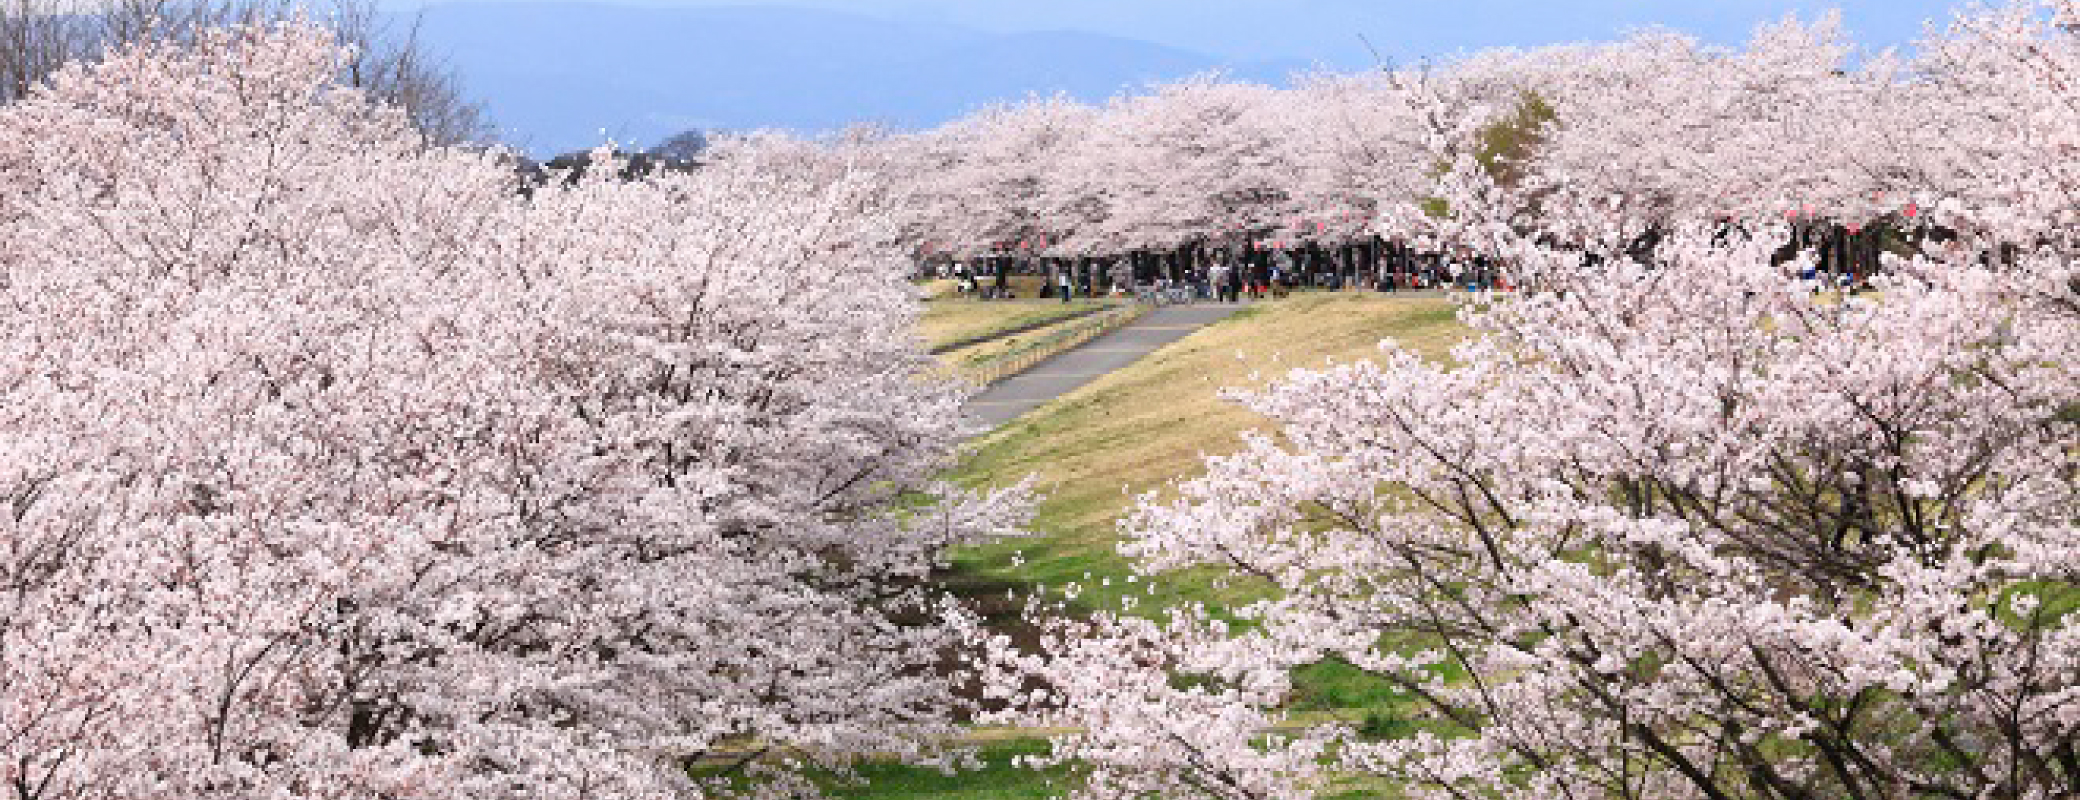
(1058, 376)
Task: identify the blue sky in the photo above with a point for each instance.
(555, 75)
(1406, 30)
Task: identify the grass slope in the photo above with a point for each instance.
(951, 320)
(1146, 426)
(993, 349)
(1140, 429)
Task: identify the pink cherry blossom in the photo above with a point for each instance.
(1686, 530)
(334, 467)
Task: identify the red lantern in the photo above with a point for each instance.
(1912, 210)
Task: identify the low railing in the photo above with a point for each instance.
(991, 336)
(1014, 361)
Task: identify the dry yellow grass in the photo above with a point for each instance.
(952, 320)
(996, 348)
(953, 359)
(1150, 424)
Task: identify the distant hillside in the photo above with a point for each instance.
(555, 74)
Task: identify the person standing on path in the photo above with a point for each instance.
(1063, 283)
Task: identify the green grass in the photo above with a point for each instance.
(997, 780)
(1334, 686)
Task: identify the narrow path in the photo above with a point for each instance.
(1061, 374)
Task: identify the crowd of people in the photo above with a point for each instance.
(1825, 255)
(1228, 274)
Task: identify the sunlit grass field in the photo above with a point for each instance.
(1140, 429)
(1009, 343)
(1150, 424)
(952, 320)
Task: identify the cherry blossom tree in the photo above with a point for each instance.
(388, 61)
(1362, 142)
(1189, 160)
(1000, 188)
(1991, 156)
(335, 468)
(1756, 546)
(1677, 529)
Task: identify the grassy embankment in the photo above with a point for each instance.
(946, 321)
(1146, 426)
(1140, 429)
(949, 321)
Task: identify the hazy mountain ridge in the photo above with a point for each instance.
(555, 74)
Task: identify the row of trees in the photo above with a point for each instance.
(1635, 136)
